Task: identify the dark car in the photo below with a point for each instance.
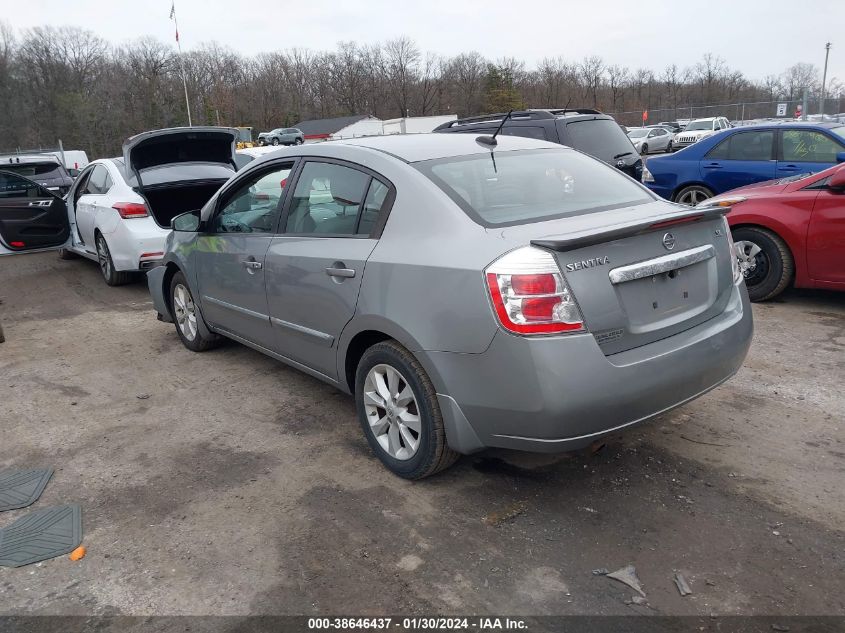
(583, 129)
(44, 169)
(672, 125)
(742, 156)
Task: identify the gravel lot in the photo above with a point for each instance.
(241, 486)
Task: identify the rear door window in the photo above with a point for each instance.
(808, 146)
(601, 138)
(744, 146)
(99, 182)
(531, 186)
(327, 200)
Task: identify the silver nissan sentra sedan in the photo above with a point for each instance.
(470, 292)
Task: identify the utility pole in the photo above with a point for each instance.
(824, 77)
(804, 106)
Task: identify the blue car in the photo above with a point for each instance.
(742, 156)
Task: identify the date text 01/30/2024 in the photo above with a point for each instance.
(418, 624)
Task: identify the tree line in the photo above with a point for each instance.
(68, 83)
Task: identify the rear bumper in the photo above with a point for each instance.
(138, 246)
(561, 393)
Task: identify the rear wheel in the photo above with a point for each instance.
(398, 410)
(765, 261)
(669, 149)
(693, 195)
(113, 277)
(187, 317)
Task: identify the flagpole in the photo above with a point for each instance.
(181, 61)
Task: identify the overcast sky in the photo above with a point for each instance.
(755, 36)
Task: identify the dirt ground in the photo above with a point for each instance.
(227, 483)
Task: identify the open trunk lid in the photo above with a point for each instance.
(639, 279)
(180, 154)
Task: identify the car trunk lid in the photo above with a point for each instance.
(179, 154)
(640, 280)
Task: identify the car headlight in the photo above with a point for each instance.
(647, 177)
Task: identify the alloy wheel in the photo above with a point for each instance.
(692, 197)
(392, 412)
(103, 256)
(185, 312)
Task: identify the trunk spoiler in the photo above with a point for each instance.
(591, 237)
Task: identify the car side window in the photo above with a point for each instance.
(81, 185)
(808, 146)
(744, 146)
(326, 200)
(373, 205)
(253, 206)
(99, 181)
(14, 186)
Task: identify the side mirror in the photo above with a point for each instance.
(840, 157)
(188, 222)
(837, 180)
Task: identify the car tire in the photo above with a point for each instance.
(644, 150)
(187, 318)
(298, 141)
(692, 195)
(112, 277)
(384, 375)
(275, 141)
(669, 149)
(766, 262)
(67, 254)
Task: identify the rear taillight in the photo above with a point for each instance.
(530, 295)
(129, 210)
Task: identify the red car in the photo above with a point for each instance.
(790, 231)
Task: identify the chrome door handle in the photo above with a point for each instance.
(254, 265)
(347, 273)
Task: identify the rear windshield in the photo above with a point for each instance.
(602, 138)
(36, 170)
(500, 189)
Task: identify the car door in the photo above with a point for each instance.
(91, 202)
(806, 151)
(826, 237)
(315, 265)
(740, 159)
(231, 251)
(31, 217)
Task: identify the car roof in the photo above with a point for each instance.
(413, 148)
(14, 159)
(797, 124)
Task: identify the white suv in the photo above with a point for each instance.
(698, 129)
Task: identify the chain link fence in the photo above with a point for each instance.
(743, 111)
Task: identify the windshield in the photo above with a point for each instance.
(699, 125)
(505, 188)
(35, 170)
(638, 133)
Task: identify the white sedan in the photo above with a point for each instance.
(650, 139)
(118, 210)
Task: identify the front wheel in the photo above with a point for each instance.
(765, 261)
(187, 317)
(693, 195)
(298, 141)
(398, 410)
(275, 141)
